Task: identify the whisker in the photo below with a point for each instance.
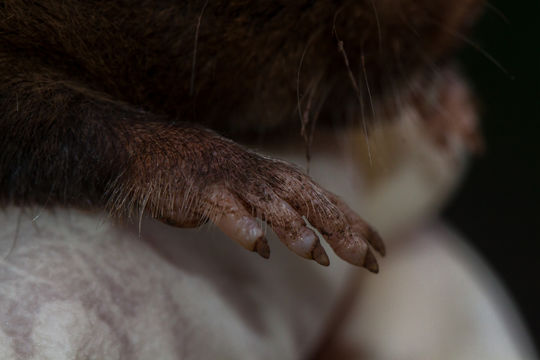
(475, 46)
(379, 32)
(354, 83)
(367, 86)
(299, 72)
(194, 62)
(304, 133)
(497, 12)
(305, 114)
(370, 97)
(299, 97)
(336, 14)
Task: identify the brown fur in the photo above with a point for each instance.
(99, 99)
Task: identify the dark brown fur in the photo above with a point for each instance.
(99, 99)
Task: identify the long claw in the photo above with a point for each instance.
(262, 248)
(319, 255)
(349, 236)
(376, 242)
(370, 262)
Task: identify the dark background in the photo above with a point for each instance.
(497, 207)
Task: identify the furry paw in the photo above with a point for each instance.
(285, 198)
(214, 179)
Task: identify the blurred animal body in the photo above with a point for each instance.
(109, 104)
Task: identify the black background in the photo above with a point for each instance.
(497, 207)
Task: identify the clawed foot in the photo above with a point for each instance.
(246, 187)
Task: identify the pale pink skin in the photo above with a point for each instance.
(75, 285)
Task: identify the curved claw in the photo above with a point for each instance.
(348, 235)
(319, 255)
(286, 204)
(370, 262)
(262, 248)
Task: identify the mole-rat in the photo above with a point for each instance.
(118, 105)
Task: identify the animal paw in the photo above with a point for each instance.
(235, 189)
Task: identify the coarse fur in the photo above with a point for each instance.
(108, 104)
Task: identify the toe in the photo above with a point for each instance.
(289, 226)
(359, 226)
(347, 234)
(351, 248)
(230, 215)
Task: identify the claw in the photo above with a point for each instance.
(262, 248)
(376, 242)
(349, 236)
(319, 255)
(370, 262)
